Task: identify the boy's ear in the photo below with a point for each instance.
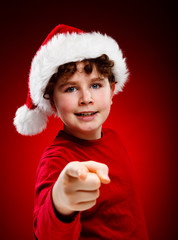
(112, 89)
(53, 105)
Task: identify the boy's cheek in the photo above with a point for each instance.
(64, 103)
(65, 108)
(104, 100)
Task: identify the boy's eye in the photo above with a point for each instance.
(96, 85)
(70, 89)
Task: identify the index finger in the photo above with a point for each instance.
(77, 170)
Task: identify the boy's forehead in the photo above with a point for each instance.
(80, 66)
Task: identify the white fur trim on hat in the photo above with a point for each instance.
(30, 122)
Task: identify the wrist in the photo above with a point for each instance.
(58, 206)
(64, 215)
(65, 218)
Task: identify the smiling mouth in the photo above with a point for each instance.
(86, 114)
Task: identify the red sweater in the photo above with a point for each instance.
(117, 213)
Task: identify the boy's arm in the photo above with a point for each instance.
(46, 223)
(49, 225)
(56, 215)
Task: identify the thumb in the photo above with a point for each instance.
(100, 169)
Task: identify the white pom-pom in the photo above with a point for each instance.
(30, 121)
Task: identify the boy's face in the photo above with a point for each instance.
(83, 102)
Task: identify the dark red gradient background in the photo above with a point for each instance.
(144, 114)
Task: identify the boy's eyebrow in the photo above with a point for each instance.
(69, 82)
(97, 79)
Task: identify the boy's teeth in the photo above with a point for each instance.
(85, 114)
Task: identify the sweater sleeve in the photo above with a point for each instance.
(48, 226)
(46, 223)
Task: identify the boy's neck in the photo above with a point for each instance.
(85, 135)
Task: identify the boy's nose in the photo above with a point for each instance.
(85, 98)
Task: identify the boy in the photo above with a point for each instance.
(84, 187)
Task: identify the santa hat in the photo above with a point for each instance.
(64, 44)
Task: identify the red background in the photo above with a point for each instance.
(144, 114)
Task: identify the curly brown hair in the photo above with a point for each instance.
(103, 65)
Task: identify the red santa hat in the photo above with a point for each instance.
(64, 44)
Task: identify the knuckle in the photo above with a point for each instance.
(96, 182)
(65, 189)
(93, 203)
(66, 186)
(97, 194)
(71, 202)
(75, 207)
(82, 206)
(72, 198)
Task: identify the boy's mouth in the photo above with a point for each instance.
(86, 114)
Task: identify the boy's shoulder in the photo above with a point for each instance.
(113, 138)
(109, 132)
